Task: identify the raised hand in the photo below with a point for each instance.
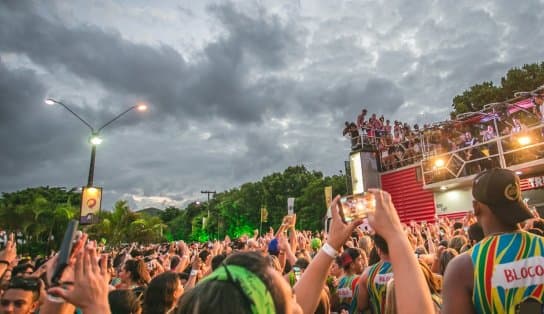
(90, 290)
(339, 232)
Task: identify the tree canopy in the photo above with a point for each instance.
(525, 78)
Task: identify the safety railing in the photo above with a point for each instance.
(507, 151)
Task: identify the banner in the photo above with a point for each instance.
(328, 196)
(91, 200)
(264, 215)
(290, 206)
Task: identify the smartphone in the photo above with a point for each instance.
(365, 227)
(65, 251)
(296, 270)
(357, 206)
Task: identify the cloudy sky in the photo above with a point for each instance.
(236, 90)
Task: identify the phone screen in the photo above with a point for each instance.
(357, 206)
(296, 270)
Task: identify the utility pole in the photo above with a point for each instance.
(208, 219)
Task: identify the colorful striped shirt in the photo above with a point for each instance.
(508, 270)
(378, 277)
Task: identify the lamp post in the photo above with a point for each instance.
(95, 139)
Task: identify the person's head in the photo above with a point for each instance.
(24, 270)
(162, 293)
(21, 296)
(365, 244)
(245, 283)
(205, 256)
(217, 260)
(475, 233)
(336, 267)
(381, 246)
(174, 262)
(134, 271)
(302, 263)
(353, 261)
(124, 301)
(457, 242)
(274, 247)
(497, 200)
(538, 99)
(538, 223)
(315, 244)
(445, 257)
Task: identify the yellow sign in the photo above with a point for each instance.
(91, 200)
(264, 215)
(328, 196)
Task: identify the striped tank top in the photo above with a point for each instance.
(378, 276)
(508, 270)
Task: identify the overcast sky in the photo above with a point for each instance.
(236, 90)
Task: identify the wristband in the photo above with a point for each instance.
(329, 250)
(194, 272)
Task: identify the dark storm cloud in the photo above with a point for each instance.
(217, 85)
(27, 136)
(264, 90)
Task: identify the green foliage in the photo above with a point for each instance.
(124, 226)
(41, 214)
(526, 78)
(44, 211)
(237, 212)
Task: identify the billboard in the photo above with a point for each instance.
(91, 200)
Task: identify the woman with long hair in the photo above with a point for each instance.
(162, 294)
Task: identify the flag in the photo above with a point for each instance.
(328, 196)
(264, 214)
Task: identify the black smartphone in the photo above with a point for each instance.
(65, 251)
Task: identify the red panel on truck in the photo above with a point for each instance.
(411, 200)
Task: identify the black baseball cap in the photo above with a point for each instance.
(499, 189)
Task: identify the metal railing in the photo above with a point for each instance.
(504, 151)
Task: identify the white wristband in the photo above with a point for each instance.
(329, 250)
(194, 272)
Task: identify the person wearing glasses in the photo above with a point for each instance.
(21, 296)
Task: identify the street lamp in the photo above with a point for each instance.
(95, 133)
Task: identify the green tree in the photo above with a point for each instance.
(526, 78)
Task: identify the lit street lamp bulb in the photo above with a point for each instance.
(141, 107)
(95, 140)
(49, 101)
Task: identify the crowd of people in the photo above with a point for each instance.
(398, 144)
(488, 262)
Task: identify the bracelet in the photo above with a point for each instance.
(194, 272)
(329, 250)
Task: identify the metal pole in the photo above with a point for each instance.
(498, 138)
(91, 166)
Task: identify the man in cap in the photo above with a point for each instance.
(503, 273)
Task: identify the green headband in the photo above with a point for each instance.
(252, 287)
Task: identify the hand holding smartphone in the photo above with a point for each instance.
(357, 206)
(65, 252)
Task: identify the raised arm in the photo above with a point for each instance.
(412, 293)
(308, 288)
